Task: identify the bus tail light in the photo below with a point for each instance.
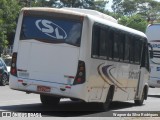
(13, 64)
(80, 77)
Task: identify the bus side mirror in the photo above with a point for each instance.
(150, 50)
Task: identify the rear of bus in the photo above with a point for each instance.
(153, 34)
(46, 53)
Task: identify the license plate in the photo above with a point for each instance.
(23, 74)
(43, 89)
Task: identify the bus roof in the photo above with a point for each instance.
(92, 14)
(118, 26)
(73, 11)
(47, 9)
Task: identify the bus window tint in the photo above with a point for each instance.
(95, 42)
(99, 42)
(121, 46)
(147, 58)
(51, 30)
(74, 34)
(131, 50)
(138, 49)
(110, 44)
(127, 46)
(116, 46)
(102, 40)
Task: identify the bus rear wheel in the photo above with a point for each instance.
(140, 102)
(74, 99)
(49, 100)
(104, 106)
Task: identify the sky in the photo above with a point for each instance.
(108, 6)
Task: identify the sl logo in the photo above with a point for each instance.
(51, 29)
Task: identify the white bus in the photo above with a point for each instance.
(153, 34)
(66, 53)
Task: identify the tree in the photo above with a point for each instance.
(100, 5)
(87, 4)
(62, 3)
(9, 10)
(117, 6)
(149, 9)
(136, 13)
(135, 22)
(131, 7)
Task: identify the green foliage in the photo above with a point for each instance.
(135, 22)
(136, 13)
(129, 7)
(9, 10)
(117, 6)
(88, 4)
(100, 5)
(147, 8)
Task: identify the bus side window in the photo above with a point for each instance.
(102, 47)
(116, 46)
(137, 50)
(126, 48)
(95, 41)
(147, 58)
(110, 37)
(143, 55)
(131, 49)
(121, 46)
(99, 37)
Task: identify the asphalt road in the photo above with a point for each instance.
(16, 101)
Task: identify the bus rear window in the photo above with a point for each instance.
(51, 30)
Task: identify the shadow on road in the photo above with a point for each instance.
(155, 96)
(66, 109)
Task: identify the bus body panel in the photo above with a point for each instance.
(31, 87)
(44, 64)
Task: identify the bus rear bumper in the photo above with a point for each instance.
(55, 89)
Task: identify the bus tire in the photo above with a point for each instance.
(104, 106)
(49, 100)
(74, 99)
(140, 102)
